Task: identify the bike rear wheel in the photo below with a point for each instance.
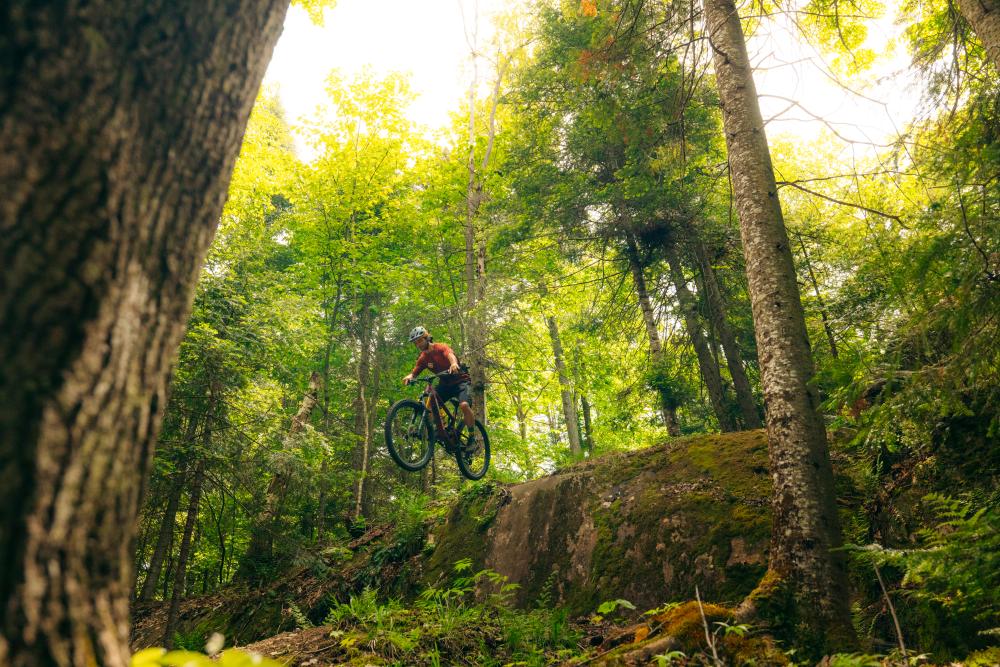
(409, 436)
(473, 455)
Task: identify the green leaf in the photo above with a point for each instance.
(611, 605)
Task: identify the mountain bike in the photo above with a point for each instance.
(412, 428)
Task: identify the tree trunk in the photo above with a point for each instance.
(362, 424)
(164, 538)
(191, 581)
(566, 390)
(587, 437)
(475, 244)
(260, 550)
(180, 576)
(806, 527)
(588, 429)
(706, 361)
(324, 471)
(168, 570)
(330, 316)
(119, 127)
(374, 393)
(474, 340)
(522, 422)
(667, 408)
(552, 419)
(734, 360)
(221, 534)
(984, 17)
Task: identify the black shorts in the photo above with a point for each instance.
(462, 391)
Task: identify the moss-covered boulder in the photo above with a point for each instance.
(647, 526)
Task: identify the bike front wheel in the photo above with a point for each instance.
(409, 435)
(473, 455)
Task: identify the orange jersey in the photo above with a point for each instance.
(435, 359)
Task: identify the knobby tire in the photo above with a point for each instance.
(474, 469)
(401, 409)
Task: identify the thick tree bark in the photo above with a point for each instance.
(667, 409)
(706, 361)
(180, 576)
(119, 127)
(734, 359)
(163, 538)
(984, 17)
(260, 549)
(806, 527)
(565, 390)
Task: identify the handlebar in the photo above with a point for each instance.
(431, 378)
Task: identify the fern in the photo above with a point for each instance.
(958, 564)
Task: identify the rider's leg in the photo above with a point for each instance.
(465, 405)
(467, 414)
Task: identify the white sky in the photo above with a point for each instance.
(426, 39)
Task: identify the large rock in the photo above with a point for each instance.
(647, 526)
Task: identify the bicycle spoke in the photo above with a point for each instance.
(474, 454)
(407, 436)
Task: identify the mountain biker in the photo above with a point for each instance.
(438, 357)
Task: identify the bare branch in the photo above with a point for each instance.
(828, 198)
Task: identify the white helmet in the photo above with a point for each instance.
(417, 332)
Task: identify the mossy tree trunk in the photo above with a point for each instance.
(667, 408)
(720, 322)
(587, 435)
(806, 528)
(565, 390)
(706, 360)
(119, 128)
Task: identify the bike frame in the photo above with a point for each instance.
(435, 406)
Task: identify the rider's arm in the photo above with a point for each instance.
(453, 360)
(417, 369)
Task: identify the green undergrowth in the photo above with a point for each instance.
(446, 624)
(452, 624)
